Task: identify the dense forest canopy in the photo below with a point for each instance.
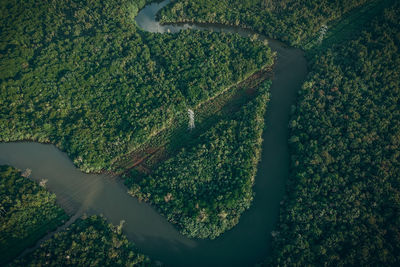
(81, 75)
(87, 242)
(205, 188)
(27, 212)
(293, 21)
(343, 201)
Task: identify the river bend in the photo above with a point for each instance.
(244, 245)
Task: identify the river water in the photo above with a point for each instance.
(244, 245)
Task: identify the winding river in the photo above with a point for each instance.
(244, 245)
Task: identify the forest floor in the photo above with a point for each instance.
(169, 141)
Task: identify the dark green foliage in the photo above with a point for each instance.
(292, 21)
(201, 62)
(348, 26)
(343, 205)
(80, 74)
(87, 242)
(27, 212)
(205, 188)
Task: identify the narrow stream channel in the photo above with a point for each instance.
(244, 245)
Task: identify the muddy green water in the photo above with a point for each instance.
(244, 245)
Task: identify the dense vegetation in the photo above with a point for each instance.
(343, 201)
(87, 242)
(80, 74)
(27, 212)
(293, 21)
(205, 188)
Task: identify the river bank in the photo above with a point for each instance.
(244, 245)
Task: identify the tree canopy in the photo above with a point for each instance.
(343, 203)
(205, 188)
(87, 242)
(27, 212)
(81, 75)
(292, 21)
